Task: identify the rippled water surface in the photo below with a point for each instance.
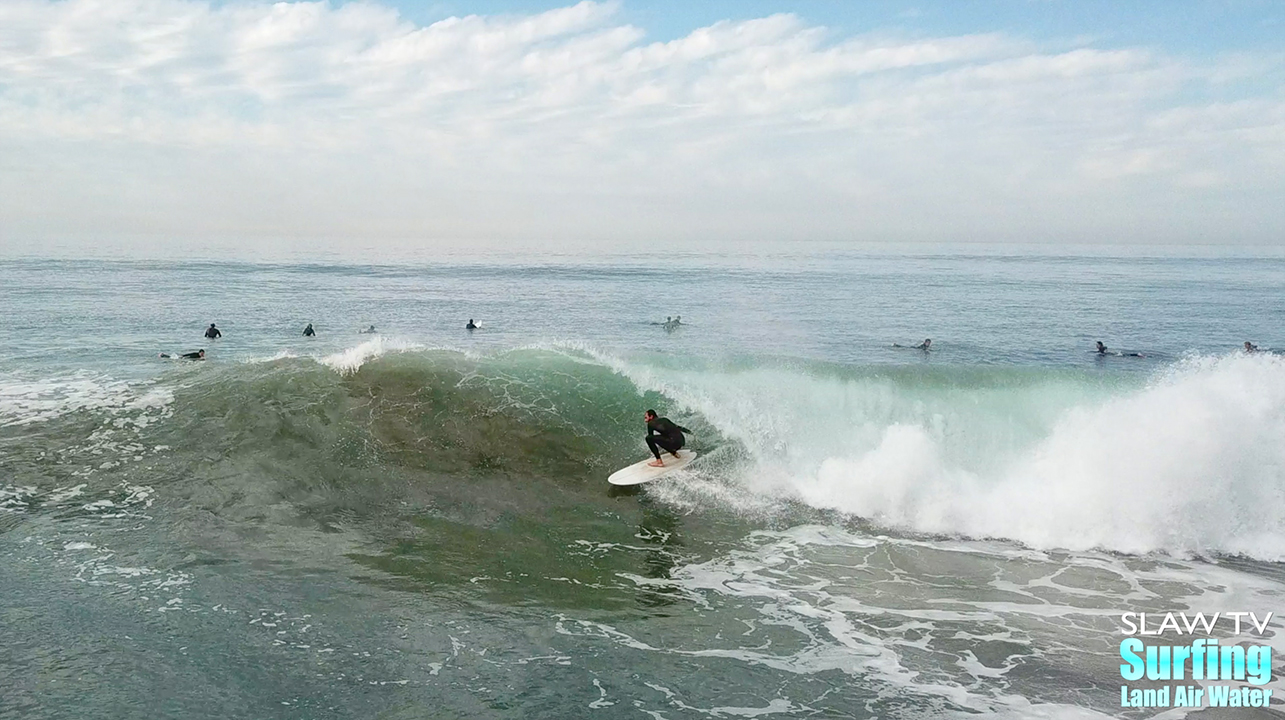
(416, 523)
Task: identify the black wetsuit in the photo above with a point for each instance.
(213, 332)
(664, 434)
(470, 326)
(309, 332)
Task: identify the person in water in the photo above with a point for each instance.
(471, 325)
(1104, 350)
(198, 355)
(309, 332)
(925, 345)
(367, 331)
(662, 433)
(1250, 347)
(212, 332)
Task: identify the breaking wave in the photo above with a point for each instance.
(1186, 462)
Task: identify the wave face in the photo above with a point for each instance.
(1187, 462)
(393, 408)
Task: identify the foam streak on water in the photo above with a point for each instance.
(977, 625)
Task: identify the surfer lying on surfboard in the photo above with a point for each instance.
(1104, 350)
(662, 433)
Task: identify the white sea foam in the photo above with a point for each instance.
(1193, 463)
(24, 401)
(916, 614)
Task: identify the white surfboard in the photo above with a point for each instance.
(641, 472)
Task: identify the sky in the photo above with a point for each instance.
(625, 124)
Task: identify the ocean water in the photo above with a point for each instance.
(416, 523)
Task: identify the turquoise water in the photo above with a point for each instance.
(416, 523)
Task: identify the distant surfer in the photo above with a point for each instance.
(368, 331)
(471, 325)
(926, 345)
(198, 355)
(309, 332)
(1250, 347)
(1104, 350)
(662, 433)
(672, 325)
(212, 332)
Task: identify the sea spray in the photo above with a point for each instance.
(1192, 463)
(351, 359)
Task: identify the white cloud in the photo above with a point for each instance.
(298, 119)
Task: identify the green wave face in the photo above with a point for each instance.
(530, 414)
(428, 470)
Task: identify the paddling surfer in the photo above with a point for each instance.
(662, 433)
(1103, 350)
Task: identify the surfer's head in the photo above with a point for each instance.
(650, 415)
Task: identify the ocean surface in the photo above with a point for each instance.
(416, 523)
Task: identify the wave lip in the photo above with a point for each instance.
(350, 360)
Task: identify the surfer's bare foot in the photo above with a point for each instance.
(656, 463)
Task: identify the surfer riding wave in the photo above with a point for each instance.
(663, 433)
